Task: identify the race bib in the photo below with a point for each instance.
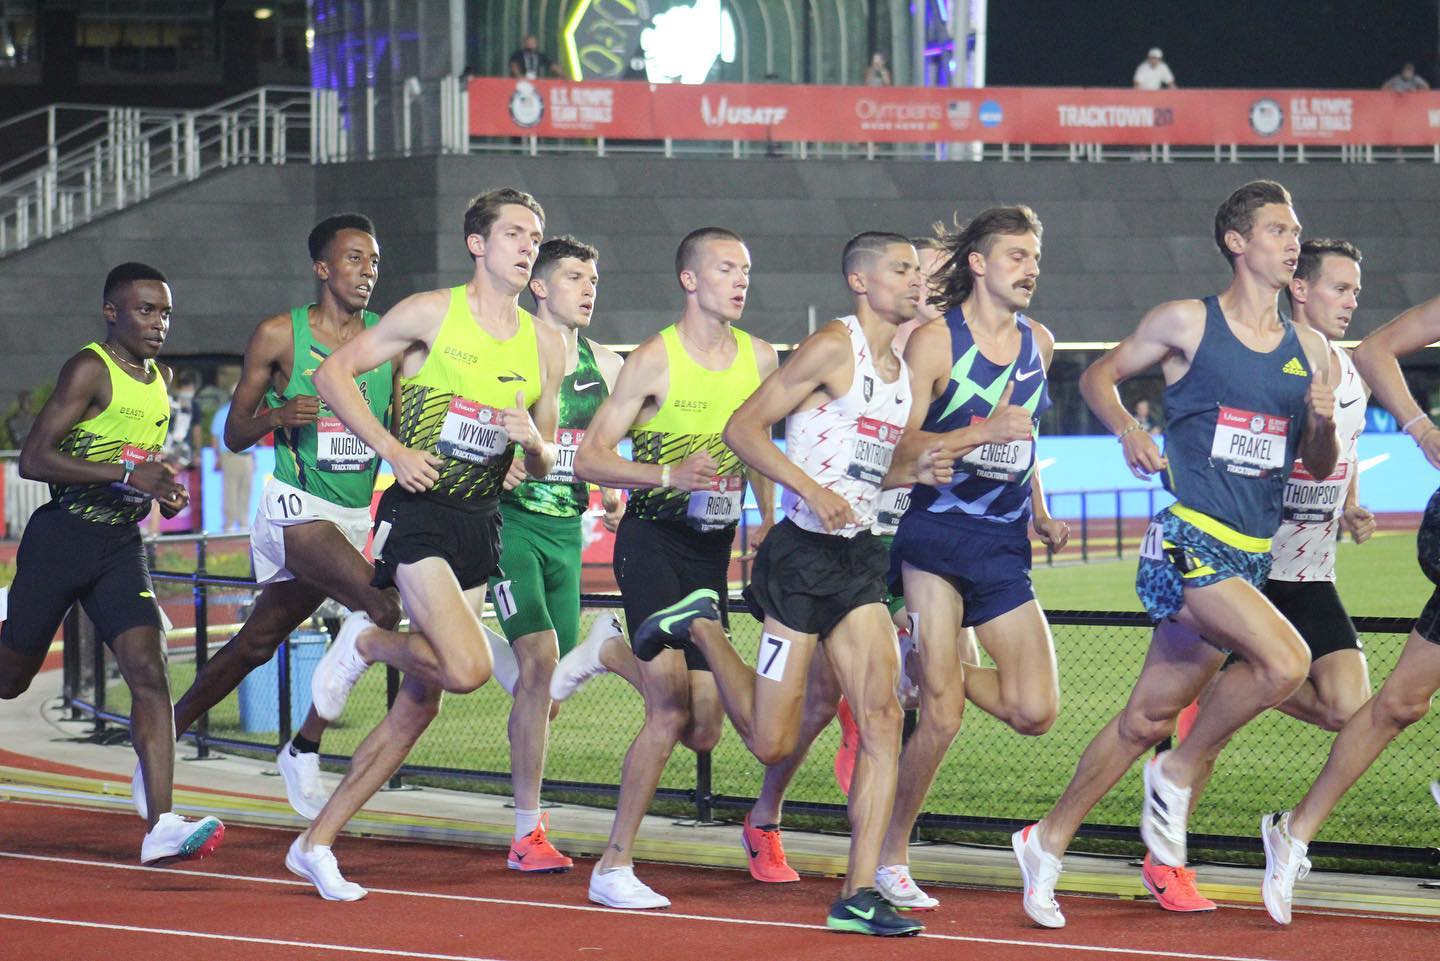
(132, 457)
(893, 505)
(471, 432)
(718, 505)
(339, 450)
(873, 449)
(1308, 501)
(1152, 547)
(1001, 462)
(1249, 444)
(567, 442)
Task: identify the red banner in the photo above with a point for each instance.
(1046, 115)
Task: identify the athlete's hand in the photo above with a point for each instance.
(1429, 443)
(1055, 534)
(521, 427)
(415, 470)
(614, 506)
(832, 510)
(516, 475)
(1007, 422)
(297, 412)
(156, 478)
(1142, 456)
(935, 466)
(1320, 398)
(177, 501)
(1359, 522)
(696, 472)
(755, 538)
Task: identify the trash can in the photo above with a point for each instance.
(259, 695)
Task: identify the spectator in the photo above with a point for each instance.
(877, 74)
(180, 442)
(1146, 418)
(1406, 81)
(19, 423)
(1154, 73)
(529, 62)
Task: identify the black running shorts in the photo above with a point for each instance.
(1314, 608)
(809, 581)
(657, 563)
(411, 527)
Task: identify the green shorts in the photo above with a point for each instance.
(540, 587)
(894, 603)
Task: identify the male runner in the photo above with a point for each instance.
(1241, 399)
(845, 396)
(1405, 696)
(474, 366)
(537, 597)
(309, 531)
(1323, 296)
(672, 551)
(97, 443)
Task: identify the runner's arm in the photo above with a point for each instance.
(597, 461)
(250, 418)
(1320, 444)
(545, 412)
(1377, 359)
(83, 384)
(610, 364)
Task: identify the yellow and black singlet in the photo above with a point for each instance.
(131, 430)
(692, 418)
(449, 406)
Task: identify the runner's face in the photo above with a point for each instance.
(570, 291)
(1273, 247)
(139, 316)
(892, 284)
(930, 263)
(350, 268)
(1012, 269)
(1331, 298)
(722, 278)
(509, 248)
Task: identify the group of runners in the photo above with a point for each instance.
(910, 491)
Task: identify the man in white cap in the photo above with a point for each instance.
(1153, 72)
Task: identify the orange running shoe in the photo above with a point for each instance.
(535, 854)
(765, 854)
(1174, 888)
(849, 745)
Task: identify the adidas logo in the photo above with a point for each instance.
(1293, 366)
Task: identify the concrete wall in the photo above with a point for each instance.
(1119, 237)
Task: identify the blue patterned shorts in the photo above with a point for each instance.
(1427, 546)
(1175, 554)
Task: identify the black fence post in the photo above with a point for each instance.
(1119, 526)
(70, 659)
(282, 683)
(392, 690)
(1049, 551)
(201, 595)
(1084, 526)
(98, 654)
(703, 791)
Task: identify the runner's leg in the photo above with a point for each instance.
(1023, 689)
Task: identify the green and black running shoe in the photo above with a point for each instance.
(670, 626)
(866, 912)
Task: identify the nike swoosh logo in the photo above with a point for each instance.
(1351, 404)
(1027, 374)
(862, 915)
(507, 378)
(587, 385)
(519, 856)
(665, 622)
(754, 853)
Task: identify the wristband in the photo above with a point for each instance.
(1120, 437)
(664, 475)
(1413, 421)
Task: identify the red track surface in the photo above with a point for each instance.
(426, 901)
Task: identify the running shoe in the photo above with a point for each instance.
(534, 853)
(177, 838)
(300, 770)
(866, 912)
(319, 867)
(895, 885)
(503, 666)
(849, 746)
(908, 688)
(670, 626)
(620, 888)
(583, 662)
(1164, 815)
(340, 669)
(765, 854)
(1285, 863)
(1040, 871)
(1435, 790)
(137, 792)
(1173, 888)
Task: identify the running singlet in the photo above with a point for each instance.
(131, 431)
(697, 404)
(846, 444)
(559, 494)
(325, 458)
(1304, 547)
(449, 406)
(991, 488)
(893, 504)
(1233, 425)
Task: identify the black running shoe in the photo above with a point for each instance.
(670, 626)
(866, 912)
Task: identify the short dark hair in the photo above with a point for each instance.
(1313, 253)
(325, 231)
(685, 253)
(867, 246)
(128, 273)
(954, 282)
(556, 249)
(1237, 213)
(484, 209)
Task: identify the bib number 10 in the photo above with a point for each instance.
(289, 504)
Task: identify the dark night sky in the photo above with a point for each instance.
(1221, 43)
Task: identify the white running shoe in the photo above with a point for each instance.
(620, 888)
(177, 837)
(1040, 871)
(319, 867)
(895, 885)
(1164, 816)
(300, 771)
(503, 666)
(583, 662)
(137, 792)
(1285, 863)
(1435, 790)
(340, 669)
